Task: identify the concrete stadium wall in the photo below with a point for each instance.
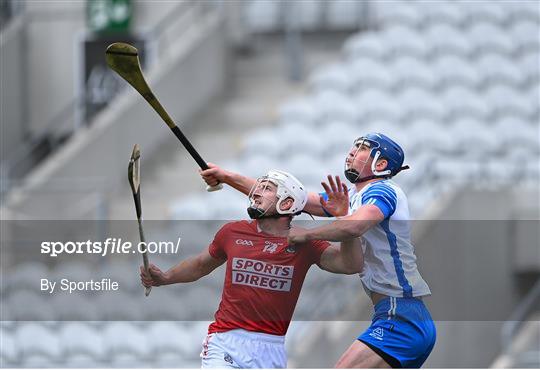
(467, 258)
(95, 159)
(13, 108)
(50, 35)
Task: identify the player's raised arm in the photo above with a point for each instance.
(189, 270)
(352, 226)
(346, 258)
(215, 175)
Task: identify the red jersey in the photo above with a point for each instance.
(263, 278)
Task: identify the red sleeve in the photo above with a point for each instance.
(217, 247)
(318, 247)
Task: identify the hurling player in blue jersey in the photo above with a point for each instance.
(375, 209)
(402, 332)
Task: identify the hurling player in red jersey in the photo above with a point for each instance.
(263, 278)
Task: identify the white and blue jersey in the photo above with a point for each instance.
(389, 259)
(402, 331)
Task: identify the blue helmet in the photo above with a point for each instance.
(382, 147)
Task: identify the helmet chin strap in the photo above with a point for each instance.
(259, 213)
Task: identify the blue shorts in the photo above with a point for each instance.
(402, 332)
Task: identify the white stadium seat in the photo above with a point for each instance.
(125, 338)
(9, 352)
(75, 306)
(74, 270)
(474, 139)
(299, 110)
(495, 68)
(443, 12)
(37, 343)
(79, 338)
(453, 70)
(300, 139)
(445, 39)
(333, 105)
(487, 37)
(507, 101)
(397, 12)
(525, 35)
(368, 74)
(523, 9)
(463, 102)
(518, 132)
(26, 305)
(418, 103)
(338, 136)
(122, 305)
(331, 77)
(267, 141)
(365, 45)
(410, 71)
(400, 40)
(193, 208)
(169, 337)
(483, 11)
(25, 276)
(378, 105)
(343, 14)
(529, 64)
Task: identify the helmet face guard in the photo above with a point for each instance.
(376, 152)
(262, 189)
(287, 187)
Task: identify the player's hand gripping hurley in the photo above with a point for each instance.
(134, 176)
(124, 60)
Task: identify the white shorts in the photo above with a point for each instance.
(241, 349)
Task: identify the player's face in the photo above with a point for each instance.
(264, 196)
(359, 158)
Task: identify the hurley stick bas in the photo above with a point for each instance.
(124, 60)
(134, 176)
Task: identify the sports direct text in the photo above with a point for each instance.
(109, 246)
(261, 274)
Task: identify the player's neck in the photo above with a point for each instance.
(360, 185)
(275, 226)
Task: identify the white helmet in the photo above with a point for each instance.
(288, 186)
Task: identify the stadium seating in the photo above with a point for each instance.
(456, 84)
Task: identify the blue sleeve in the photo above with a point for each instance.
(325, 197)
(383, 197)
